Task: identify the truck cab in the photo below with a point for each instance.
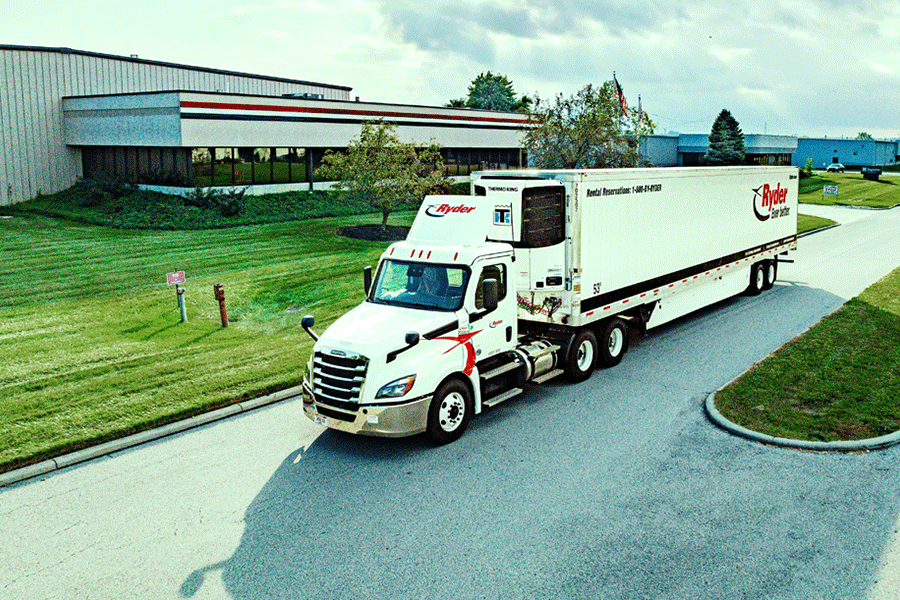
(412, 357)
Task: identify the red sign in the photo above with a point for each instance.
(175, 278)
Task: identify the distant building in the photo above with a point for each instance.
(850, 153)
(687, 149)
(66, 114)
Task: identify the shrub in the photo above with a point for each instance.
(104, 189)
(807, 170)
(160, 177)
(203, 197)
(231, 202)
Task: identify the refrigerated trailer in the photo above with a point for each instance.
(535, 275)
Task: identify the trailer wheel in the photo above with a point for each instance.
(613, 343)
(771, 269)
(757, 279)
(449, 412)
(582, 356)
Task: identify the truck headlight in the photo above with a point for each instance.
(397, 389)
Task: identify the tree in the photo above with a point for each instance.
(492, 92)
(587, 130)
(726, 142)
(862, 135)
(383, 170)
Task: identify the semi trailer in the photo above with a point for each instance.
(537, 274)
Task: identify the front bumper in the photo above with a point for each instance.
(394, 420)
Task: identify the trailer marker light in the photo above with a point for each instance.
(642, 295)
(392, 252)
(455, 255)
(607, 307)
(429, 254)
(589, 314)
(624, 301)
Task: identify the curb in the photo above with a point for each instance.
(878, 443)
(74, 458)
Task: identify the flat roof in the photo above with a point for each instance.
(158, 63)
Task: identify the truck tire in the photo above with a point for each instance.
(613, 342)
(771, 269)
(582, 356)
(757, 280)
(449, 412)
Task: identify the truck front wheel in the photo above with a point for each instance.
(449, 412)
(613, 343)
(582, 356)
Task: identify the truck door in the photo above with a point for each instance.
(493, 332)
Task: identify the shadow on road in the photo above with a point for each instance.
(615, 488)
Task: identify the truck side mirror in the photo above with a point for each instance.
(307, 323)
(489, 294)
(367, 279)
(412, 338)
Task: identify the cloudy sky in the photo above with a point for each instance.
(804, 67)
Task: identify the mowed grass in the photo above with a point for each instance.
(853, 190)
(838, 381)
(809, 223)
(91, 344)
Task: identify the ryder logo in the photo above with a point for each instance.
(768, 202)
(442, 210)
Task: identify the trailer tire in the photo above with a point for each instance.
(757, 279)
(613, 342)
(771, 269)
(449, 412)
(582, 356)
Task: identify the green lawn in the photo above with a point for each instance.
(838, 381)
(853, 190)
(92, 347)
(809, 223)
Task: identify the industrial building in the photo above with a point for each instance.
(66, 114)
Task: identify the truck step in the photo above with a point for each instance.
(501, 369)
(547, 376)
(504, 396)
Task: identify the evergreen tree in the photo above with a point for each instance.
(726, 142)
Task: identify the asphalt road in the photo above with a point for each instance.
(615, 488)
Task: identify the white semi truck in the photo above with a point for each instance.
(536, 274)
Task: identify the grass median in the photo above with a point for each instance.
(838, 381)
(92, 344)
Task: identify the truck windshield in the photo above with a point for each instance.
(418, 285)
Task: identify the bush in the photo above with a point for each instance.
(104, 189)
(167, 178)
(231, 202)
(807, 170)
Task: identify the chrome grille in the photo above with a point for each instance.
(338, 380)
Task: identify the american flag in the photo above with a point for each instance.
(621, 96)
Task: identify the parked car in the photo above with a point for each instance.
(835, 168)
